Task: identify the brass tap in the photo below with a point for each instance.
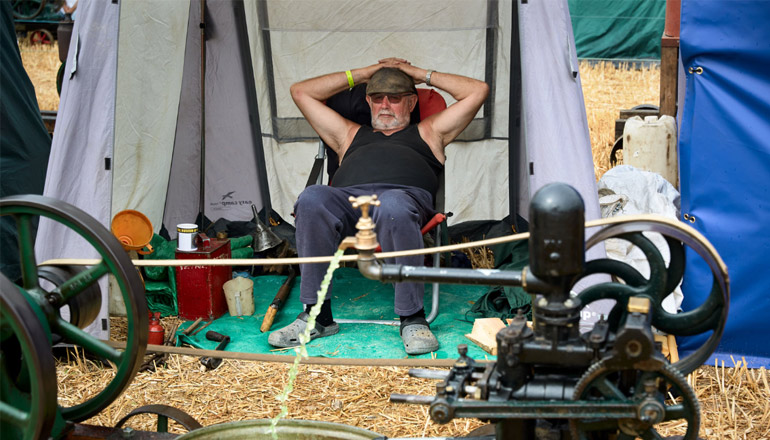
(347, 243)
(366, 238)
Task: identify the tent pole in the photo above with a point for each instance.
(202, 199)
(514, 120)
(242, 31)
(493, 24)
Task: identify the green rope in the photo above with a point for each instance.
(304, 338)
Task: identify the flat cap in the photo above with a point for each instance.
(390, 80)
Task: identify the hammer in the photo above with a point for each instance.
(211, 363)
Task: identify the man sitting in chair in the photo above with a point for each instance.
(398, 162)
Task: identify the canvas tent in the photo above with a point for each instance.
(129, 126)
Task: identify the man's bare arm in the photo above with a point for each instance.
(444, 127)
(309, 96)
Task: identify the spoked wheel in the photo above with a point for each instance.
(709, 316)
(27, 370)
(74, 288)
(646, 389)
(40, 36)
(27, 9)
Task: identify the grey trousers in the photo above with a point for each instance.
(324, 216)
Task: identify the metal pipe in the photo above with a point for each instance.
(398, 273)
(411, 398)
(422, 373)
(369, 266)
(435, 288)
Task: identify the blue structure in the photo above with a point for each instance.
(724, 150)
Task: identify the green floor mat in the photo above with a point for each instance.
(353, 297)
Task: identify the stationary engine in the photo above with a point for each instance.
(549, 380)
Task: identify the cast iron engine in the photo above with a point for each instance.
(549, 380)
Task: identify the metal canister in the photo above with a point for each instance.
(157, 332)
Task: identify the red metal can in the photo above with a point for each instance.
(199, 291)
(157, 332)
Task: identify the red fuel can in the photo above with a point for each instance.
(157, 332)
(199, 291)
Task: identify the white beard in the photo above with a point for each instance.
(394, 123)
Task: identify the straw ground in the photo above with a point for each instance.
(735, 401)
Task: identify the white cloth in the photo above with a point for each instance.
(625, 190)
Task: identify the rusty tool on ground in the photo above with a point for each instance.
(157, 359)
(279, 300)
(204, 326)
(192, 326)
(211, 363)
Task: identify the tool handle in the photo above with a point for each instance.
(201, 329)
(269, 318)
(211, 363)
(202, 240)
(283, 292)
(278, 301)
(192, 326)
(211, 335)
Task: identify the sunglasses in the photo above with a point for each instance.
(377, 98)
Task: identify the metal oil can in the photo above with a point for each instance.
(199, 288)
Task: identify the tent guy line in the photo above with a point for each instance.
(488, 242)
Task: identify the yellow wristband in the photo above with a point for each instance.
(350, 78)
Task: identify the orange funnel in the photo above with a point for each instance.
(134, 231)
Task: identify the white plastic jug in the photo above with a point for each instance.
(650, 145)
(239, 296)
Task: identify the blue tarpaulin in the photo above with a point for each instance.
(724, 149)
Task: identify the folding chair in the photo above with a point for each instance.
(352, 105)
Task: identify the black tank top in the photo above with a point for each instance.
(402, 158)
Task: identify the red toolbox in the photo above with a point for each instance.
(199, 291)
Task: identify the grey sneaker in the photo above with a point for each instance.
(289, 335)
(418, 339)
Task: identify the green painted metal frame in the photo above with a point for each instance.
(115, 261)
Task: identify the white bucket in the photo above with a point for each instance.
(186, 233)
(239, 295)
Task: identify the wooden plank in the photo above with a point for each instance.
(668, 78)
(484, 332)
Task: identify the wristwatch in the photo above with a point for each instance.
(427, 76)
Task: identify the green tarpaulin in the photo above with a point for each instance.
(353, 297)
(618, 29)
(24, 140)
